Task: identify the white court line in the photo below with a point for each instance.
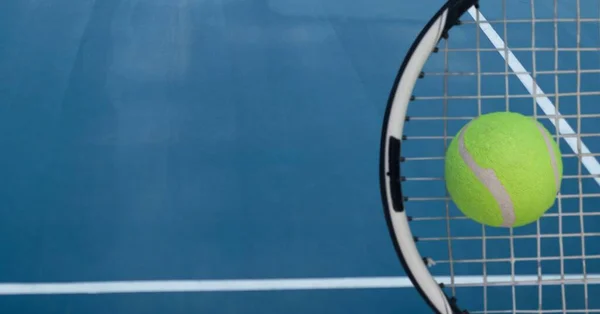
(169, 286)
(589, 162)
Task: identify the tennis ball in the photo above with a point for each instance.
(503, 169)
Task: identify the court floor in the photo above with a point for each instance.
(186, 141)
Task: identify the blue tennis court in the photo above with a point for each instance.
(170, 142)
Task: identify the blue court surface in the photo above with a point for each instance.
(193, 140)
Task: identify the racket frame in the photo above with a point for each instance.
(391, 146)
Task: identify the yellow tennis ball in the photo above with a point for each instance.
(503, 169)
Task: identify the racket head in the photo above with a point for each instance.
(552, 265)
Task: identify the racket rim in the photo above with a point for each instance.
(454, 10)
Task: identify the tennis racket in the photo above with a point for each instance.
(537, 57)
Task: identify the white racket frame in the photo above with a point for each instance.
(393, 125)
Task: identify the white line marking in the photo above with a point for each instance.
(166, 286)
(589, 162)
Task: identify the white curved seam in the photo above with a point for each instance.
(490, 181)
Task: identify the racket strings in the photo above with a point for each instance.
(551, 266)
